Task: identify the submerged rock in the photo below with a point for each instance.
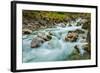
(71, 36)
(86, 25)
(27, 31)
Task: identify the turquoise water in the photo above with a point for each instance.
(57, 49)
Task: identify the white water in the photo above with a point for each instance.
(54, 50)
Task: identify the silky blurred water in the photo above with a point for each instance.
(54, 50)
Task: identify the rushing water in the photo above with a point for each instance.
(54, 50)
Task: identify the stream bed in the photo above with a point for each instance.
(56, 49)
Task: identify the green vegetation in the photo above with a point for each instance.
(34, 20)
(49, 15)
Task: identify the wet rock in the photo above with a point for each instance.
(45, 36)
(71, 36)
(27, 31)
(61, 25)
(86, 25)
(49, 37)
(83, 21)
(50, 33)
(36, 42)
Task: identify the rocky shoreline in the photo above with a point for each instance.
(34, 20)
(77, 37)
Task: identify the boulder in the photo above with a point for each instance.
(83, 21)
(61, 25)
(40, 39)
(86, 25)
(44, 36)
(71, 36)
(78, 24)
(36, 42)
(26, 31)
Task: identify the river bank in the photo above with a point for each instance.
(48, 37)
(34, 20)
